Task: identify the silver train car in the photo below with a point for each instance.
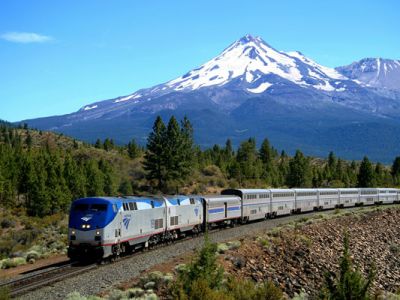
(105, 227)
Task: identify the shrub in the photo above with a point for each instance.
(6, 247)
(211, 170)
(240, 289)
(349, 283)
(264, 242)
(4, 293)
(203, 270)
(13, 262)
(222, 248)
(32, 255)
(7, 223)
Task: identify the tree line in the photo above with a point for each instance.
(45, 178)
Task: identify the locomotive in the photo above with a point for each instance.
(105, 227)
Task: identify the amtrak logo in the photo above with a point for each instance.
(126, 221)
(196, 211)
(87, 218)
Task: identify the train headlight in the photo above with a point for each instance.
(97, 232)
(87, 226)
(73, 232)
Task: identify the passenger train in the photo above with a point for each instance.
(105, 227)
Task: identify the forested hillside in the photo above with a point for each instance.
(42, 172)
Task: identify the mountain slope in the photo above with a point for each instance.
(374, 72)
(251, 89)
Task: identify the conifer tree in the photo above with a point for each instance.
(95, 179)
(299, 171)
(247, 158)
(395, 171)
(154, 158)
(98, 144)
(133, 149)
(365, 176)
(349, 283)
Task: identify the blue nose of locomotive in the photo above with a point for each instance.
(91, 213)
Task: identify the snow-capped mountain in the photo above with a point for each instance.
(252, 89)
(374, 72)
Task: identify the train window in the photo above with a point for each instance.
(115, 208)
(174, 221)
(191, 201)
(131, 206)
(179, 202)
(99, 207)
(125, 206)
(81, 207)
(135, 206)
(152, 204)
(158, 223)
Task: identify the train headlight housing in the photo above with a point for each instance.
(98, 232)
(73, 232)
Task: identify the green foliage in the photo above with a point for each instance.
(5, 293)
(395, 171)
(204, 268)
(134, 151)
(299, 171)
(203, 279)
(240, 289)
(365, 176)
(169, 154)
(349, 283)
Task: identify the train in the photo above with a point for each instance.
(106, 227)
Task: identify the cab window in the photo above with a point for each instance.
(80, 207)
(99, 207)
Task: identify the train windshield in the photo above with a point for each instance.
(81, 207)
(98, 207)
(93, 207)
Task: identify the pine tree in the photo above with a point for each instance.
(154, 158)
(108, 178)
(299, 173)
(95, 179)
(133, 149)
(247, 158)
(349, 282)
(98, 144)
(186, 138)
(174, 153)
(125, 188)
(395, 171)
(365, 176)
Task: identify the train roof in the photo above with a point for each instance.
(247, 191)
(281, 190)
(89, 200)
(219, 197)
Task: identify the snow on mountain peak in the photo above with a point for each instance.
(374, 72)
(251, 58)
(253, 66)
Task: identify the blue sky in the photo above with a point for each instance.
(57, 56)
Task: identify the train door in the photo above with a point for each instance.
(226, 209)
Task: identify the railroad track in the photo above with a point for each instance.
(45, 277)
